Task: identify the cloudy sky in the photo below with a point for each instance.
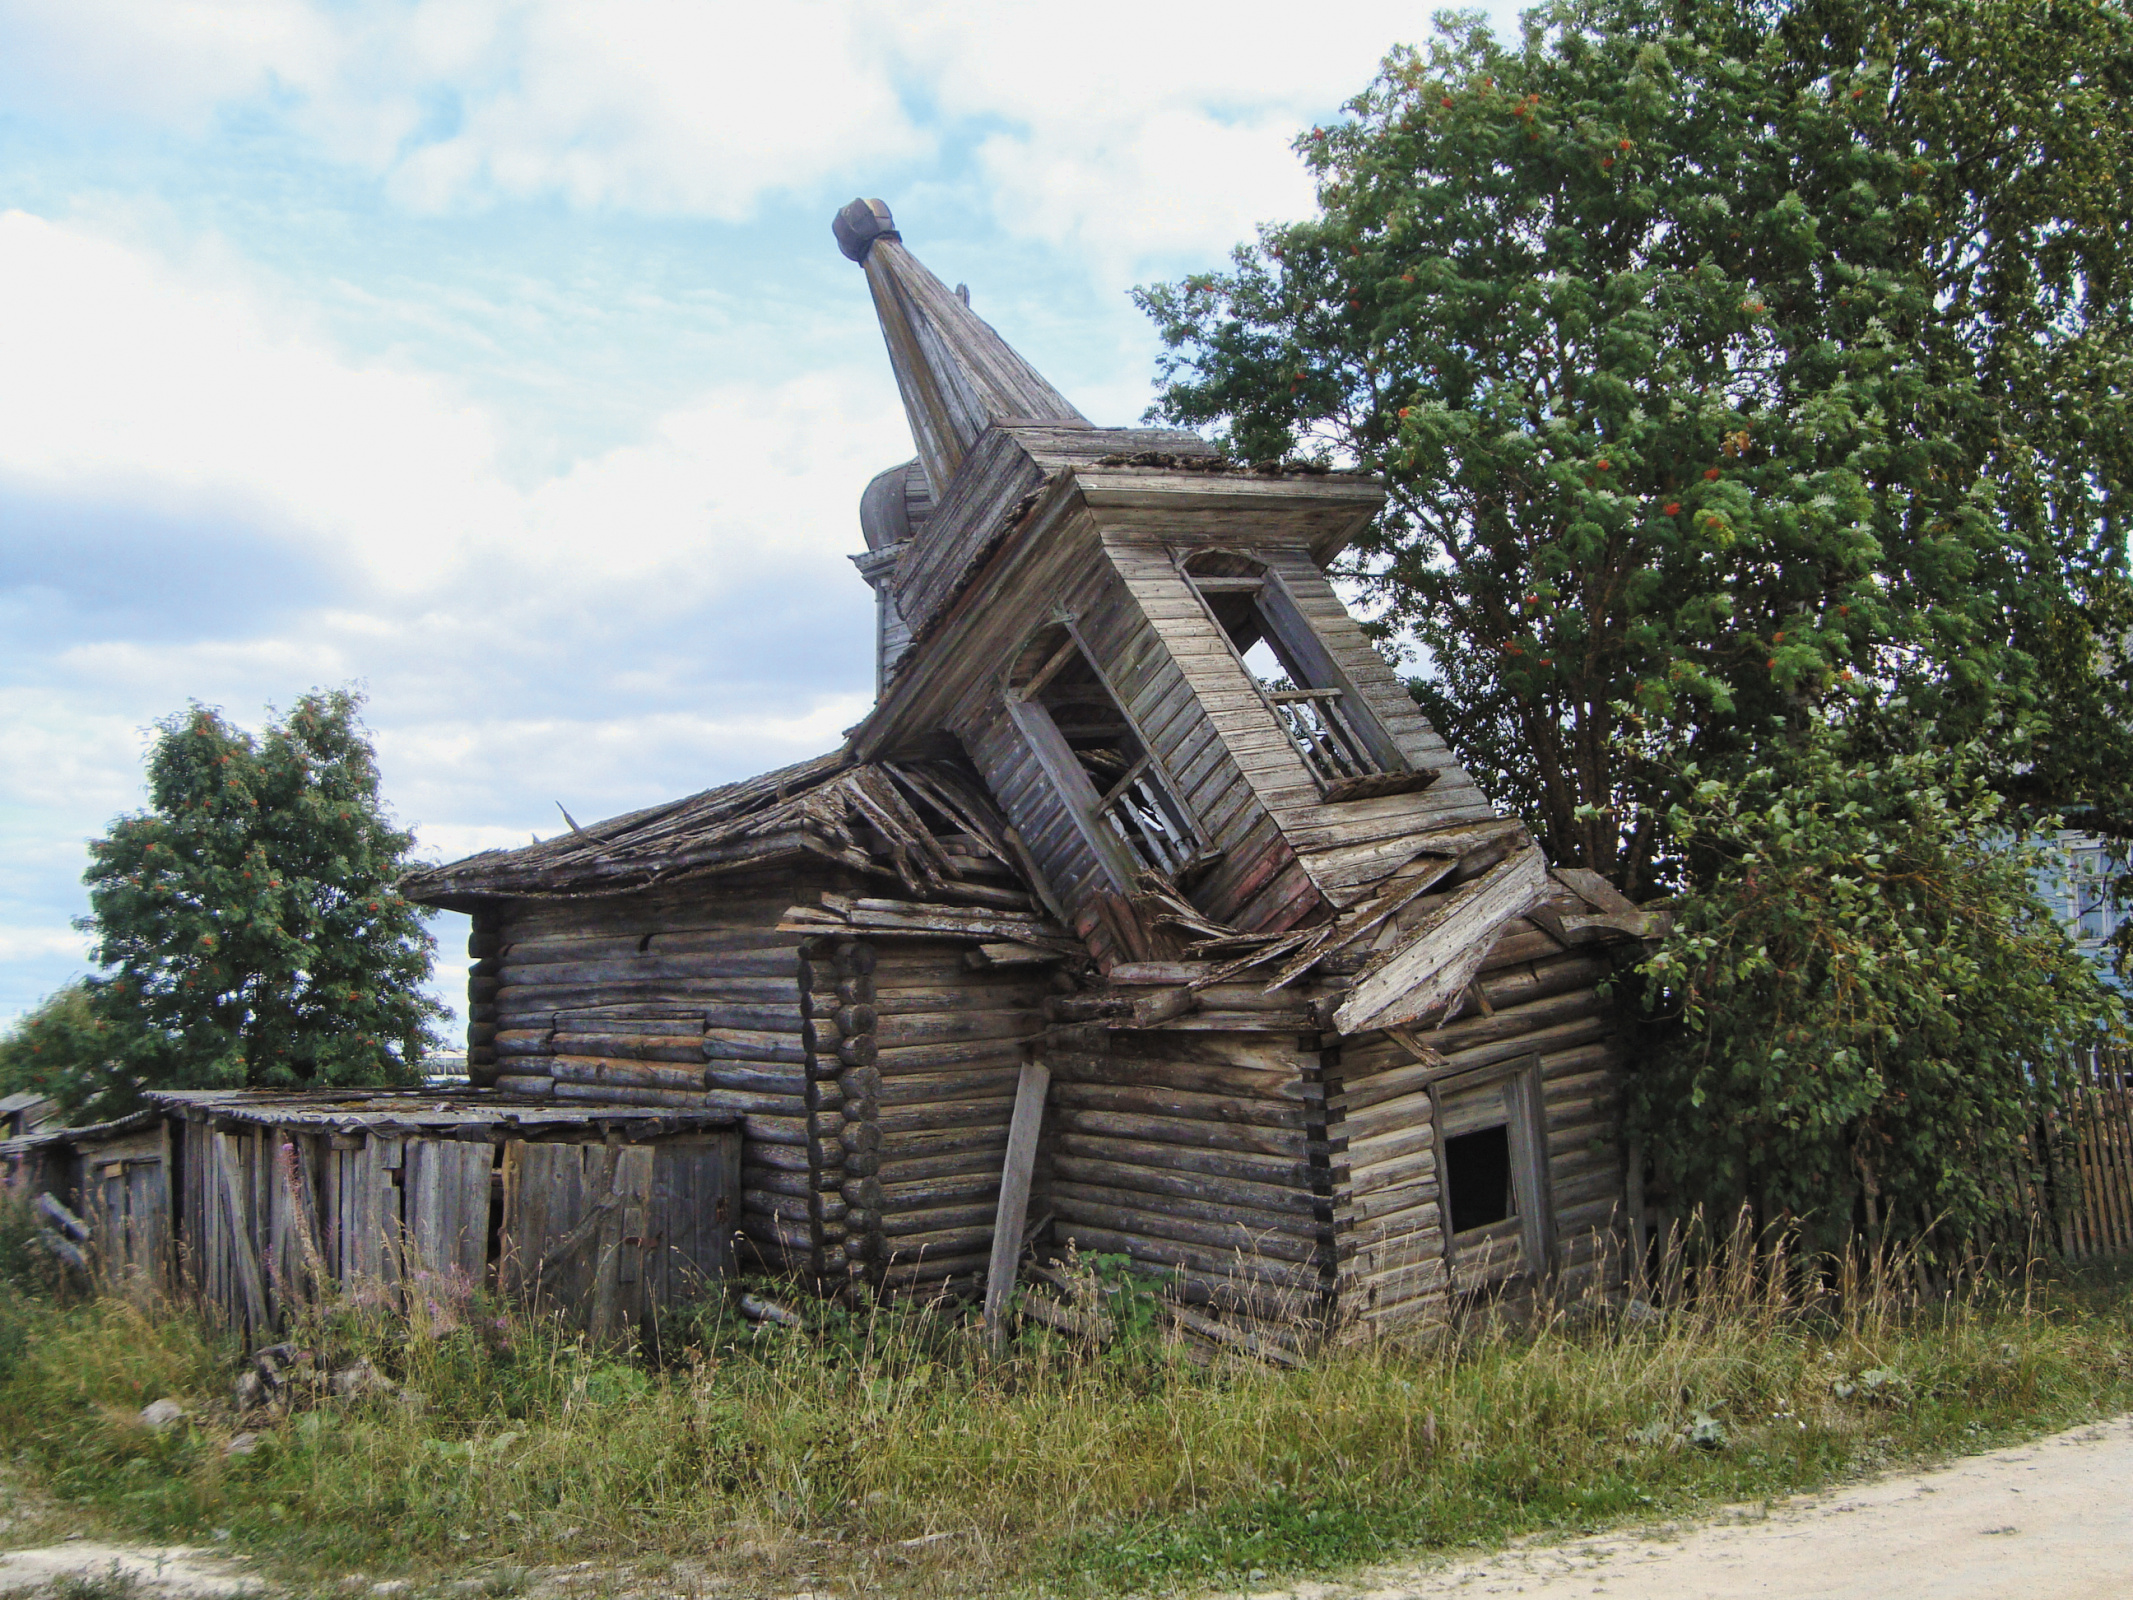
(494, 355)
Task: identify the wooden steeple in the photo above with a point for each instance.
(957, 376)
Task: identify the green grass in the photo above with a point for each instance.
(773, 1458)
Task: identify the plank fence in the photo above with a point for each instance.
(2092, 1159)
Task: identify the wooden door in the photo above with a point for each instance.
(575, 1232)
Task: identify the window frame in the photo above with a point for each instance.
(1071, 781)
(1297, 643)
(1525, 1121)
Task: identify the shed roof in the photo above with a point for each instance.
(454, 1112)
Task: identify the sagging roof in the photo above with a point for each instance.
(872, 816)
(467, 1113)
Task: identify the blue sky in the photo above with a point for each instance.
(494, 355)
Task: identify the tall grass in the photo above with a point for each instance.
(1054, 1466)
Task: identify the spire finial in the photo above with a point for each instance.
(957, 375)
(859, 224)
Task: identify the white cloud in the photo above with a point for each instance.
(167, 384)
(1133, 131)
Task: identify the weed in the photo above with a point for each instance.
(498, 1441)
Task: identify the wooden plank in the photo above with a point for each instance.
(1013, 1206)
(258, 1317)
(1438, 958)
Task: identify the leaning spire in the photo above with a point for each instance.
(957, 376)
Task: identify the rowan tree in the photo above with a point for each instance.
(1724, 362)
(249, 917)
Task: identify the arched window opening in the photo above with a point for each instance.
(1096, 760)
(1331, 726)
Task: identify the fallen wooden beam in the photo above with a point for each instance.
(1436, 961)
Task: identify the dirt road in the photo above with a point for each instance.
(2046, 1521)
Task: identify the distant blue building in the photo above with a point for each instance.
(2080, 890)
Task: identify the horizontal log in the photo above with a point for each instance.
(1461, 1042)
(752, 1044)
(1278, 1199)
(927, 1027)
(1197, 1077)
(913, 1247)
(961, 1189)
(1290, 1020)
(1402, 1142)
(790, 1157)
(771, 1129)
(1219, 1224)
(931, 1057)
(946, 1114)
(777, 1180)
(691, 974)
(898, 1145)
(525, 1042)
(1156, 1100)
(626, 1074)
(964, 1162)
(617, 1094)
(785, 1207)
(759, 1077)
(1294, 1171)
(925, 1088)
(934, 1221)
(1243, 1268)
(968, 995)
(934, 1269)
(1181, 1131)
(526, 1084)
(634, 1046)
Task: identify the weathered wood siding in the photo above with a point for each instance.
(1392, 1270)
(684, 996)
(1258, 884)
(913, 1084)
(1339, 846)
(1201, 1151)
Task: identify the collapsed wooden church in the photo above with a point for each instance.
(1144, 911)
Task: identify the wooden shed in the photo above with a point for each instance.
(109, 1180)
(1144, 911)
(606, 1212)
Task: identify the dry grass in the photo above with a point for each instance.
(772, 1459)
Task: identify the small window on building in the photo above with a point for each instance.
(1477, 1178)
(1096, 760)
(1493, 1175)
(1328, 722)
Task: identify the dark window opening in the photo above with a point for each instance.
(1477, 1178)
(1327, 721)
(1097, 759)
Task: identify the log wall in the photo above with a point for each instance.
(1393, 1271)
(1201, 1152)
(914, 1070)
(684, 996)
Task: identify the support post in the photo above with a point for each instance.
(1013, 1213)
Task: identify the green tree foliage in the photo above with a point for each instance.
(1875, 1006)
(1724, 362)
(56, 1044)
(250, 916)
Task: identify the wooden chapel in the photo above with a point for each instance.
(1144, 911)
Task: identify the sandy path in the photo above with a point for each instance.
(2049, 1519)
